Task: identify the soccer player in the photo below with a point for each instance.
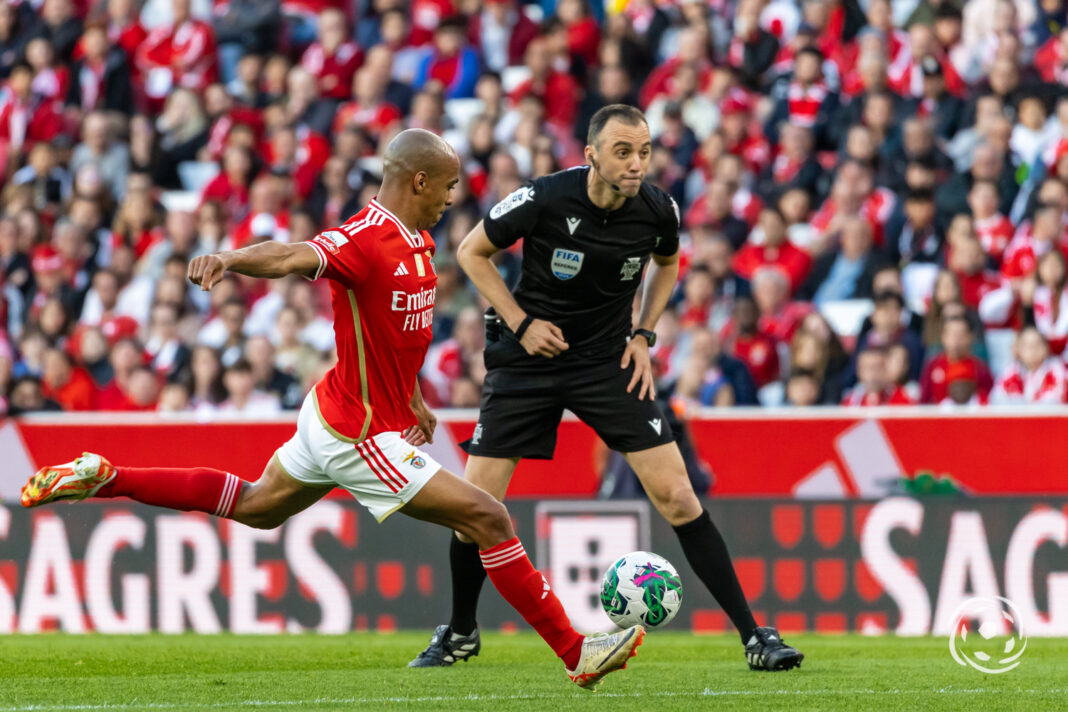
(565, 341)
(360, 427)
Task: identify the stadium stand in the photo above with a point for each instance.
(853, 176)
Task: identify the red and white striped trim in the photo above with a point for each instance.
(413, 239)
(322, 260)
(228, 499)
(373, 218)
(502, 554)
(381, 465)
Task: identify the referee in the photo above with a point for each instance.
(564, 339)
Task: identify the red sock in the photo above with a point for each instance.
(192, 489)
(527, 590)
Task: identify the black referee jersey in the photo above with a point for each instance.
(582, 264)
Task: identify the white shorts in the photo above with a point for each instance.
(382, 472)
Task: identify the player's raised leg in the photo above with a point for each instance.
(460, 638)
(663, 475)
(264, 504)
(447, 500)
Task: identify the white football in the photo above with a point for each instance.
(641, 588)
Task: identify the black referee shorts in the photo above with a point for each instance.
(524, 397)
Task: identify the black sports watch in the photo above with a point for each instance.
(650, 336)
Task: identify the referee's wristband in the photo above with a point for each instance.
(523, 326)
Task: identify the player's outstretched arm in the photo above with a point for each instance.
(474, 255)
(270, 260)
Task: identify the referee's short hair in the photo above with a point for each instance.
(621, 112)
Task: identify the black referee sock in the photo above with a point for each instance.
(467, 579)
(707, 553)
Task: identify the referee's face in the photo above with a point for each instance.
(621, 155)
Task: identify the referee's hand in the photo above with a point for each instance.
(638, 351)
(543, 338)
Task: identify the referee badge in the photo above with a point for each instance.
(566, 263)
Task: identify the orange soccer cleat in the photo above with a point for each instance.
(75, 480)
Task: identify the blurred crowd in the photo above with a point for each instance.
(874, 194)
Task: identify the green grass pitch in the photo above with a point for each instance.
(673, 671)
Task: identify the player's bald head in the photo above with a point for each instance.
(415, 150)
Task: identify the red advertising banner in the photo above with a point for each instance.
(898, 565)
(826, 453)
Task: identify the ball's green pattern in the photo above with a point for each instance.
(611, 601)
(655, 584)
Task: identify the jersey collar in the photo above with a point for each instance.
(394, 218)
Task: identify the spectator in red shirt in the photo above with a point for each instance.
(452, 64)
(1033, 377)
(25, 117)
(1045, 233)
(995, 231)
(558, 91)
(426, 15)
(124, 26)
(1051, 59)
(968, 262)
(181, 54)
(962, 386)
(712, 211)
(779, 317)
(49, 79)
(775, 250)
(67, 384)
(808, 102)
(957, 340)
(583, 35)
(225, 116)
(697, 296)
(297, 153)
(874, 386)
(230, 188)
(267, 217)
(756, 350)
(368, 111)
(334, 58)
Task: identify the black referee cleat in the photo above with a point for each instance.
(447, 647)
(766, 650)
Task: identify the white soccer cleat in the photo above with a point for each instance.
(602, 654)
(79, 479)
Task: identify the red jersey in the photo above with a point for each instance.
(1046, 384)
(760, 355)
(382, 287)
(995, 233)
(334, 71)
(934, 382)
(794, 262)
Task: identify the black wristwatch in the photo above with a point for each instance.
(650, 336)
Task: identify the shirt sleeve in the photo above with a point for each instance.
(512, 218)
(342, 257)
(668, 244)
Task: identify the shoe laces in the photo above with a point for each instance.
(599, 642)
